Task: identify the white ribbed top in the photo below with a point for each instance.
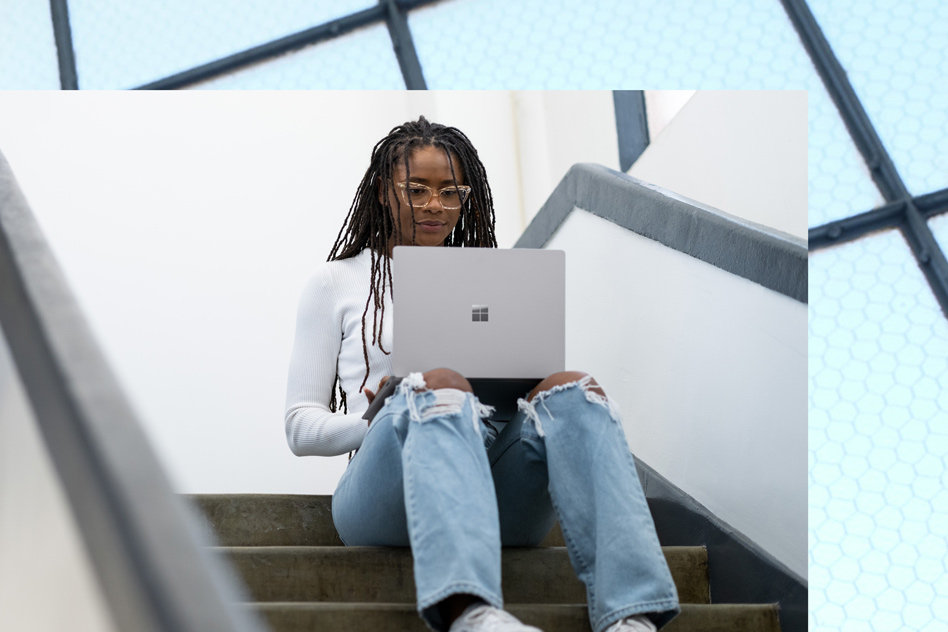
(329, 339)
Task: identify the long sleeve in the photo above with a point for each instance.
(311, 428)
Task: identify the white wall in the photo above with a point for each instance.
(47, 582)
(711, 368)
(556, 130)
(188, 222)
(708, 369)
(742, 152)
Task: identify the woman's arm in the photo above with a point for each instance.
(311, 428)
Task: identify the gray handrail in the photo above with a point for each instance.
(764, 255)
(147, 547)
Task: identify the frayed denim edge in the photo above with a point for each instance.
(529, 407)
(414, 386)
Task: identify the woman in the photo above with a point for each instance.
(430, 472)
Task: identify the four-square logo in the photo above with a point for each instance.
(479, 313)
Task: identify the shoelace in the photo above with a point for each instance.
(487, 614)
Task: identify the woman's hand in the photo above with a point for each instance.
(370, 395)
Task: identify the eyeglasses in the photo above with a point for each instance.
(417, 194)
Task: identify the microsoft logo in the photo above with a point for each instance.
(479, 313)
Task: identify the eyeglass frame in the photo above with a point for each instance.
(403, 186)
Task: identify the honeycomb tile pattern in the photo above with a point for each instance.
(939, 226)
(839, 182)
(895, 56)
(564, 44)
(725, 44)
(363, 60)
(878, 441)
(27, 48)
(124, 44)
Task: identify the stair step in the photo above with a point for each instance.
(380, 574)
(269, 519)
(342, 617)
(281, 520)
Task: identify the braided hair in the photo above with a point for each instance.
(370, 222)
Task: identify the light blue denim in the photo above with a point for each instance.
(430, 475)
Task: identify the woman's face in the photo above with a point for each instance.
(431, 224)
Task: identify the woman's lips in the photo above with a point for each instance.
(430, 227)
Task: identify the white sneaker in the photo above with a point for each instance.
(484, 618)
(637, 623)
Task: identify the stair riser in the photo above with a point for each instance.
(357, 574)
(268, 520)
(280, 520)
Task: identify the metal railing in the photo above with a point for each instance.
(148, 549)
(776, 260)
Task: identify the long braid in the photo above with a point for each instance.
(370, 224)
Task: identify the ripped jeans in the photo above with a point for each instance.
(430, 476)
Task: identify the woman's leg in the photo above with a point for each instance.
(421, 478)
(521, 484)
(595, 490)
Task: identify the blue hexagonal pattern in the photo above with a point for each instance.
(27, 49)
(839, 182)
(939, 226)
(363, 60)
(639, 43)
(123, 44)
(895, 53)
(878, 441)
(563, 44)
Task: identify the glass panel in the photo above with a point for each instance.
(361, 60)
(124, 44)
(894, 53)
(878, 515)
(735, 44)
(615, 43)
(839, 182)
(27, 48)
(939, 226)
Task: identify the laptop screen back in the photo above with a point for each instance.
(483, 312)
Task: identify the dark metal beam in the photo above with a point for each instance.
(933, 204)
(631, 125)
(912, 222)
(62, 33)
(928, 253)
(307, 37)
(403, 45)
(892, 215)
(850, 108)
(277, 47)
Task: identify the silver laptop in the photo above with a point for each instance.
(496, 316)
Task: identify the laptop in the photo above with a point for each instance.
(496, 316)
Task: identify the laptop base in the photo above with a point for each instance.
(501, 393)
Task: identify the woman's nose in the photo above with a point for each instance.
(434, 203)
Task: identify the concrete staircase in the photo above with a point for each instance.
(301, 577)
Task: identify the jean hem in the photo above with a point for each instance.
(458, 588)
(662, 612)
